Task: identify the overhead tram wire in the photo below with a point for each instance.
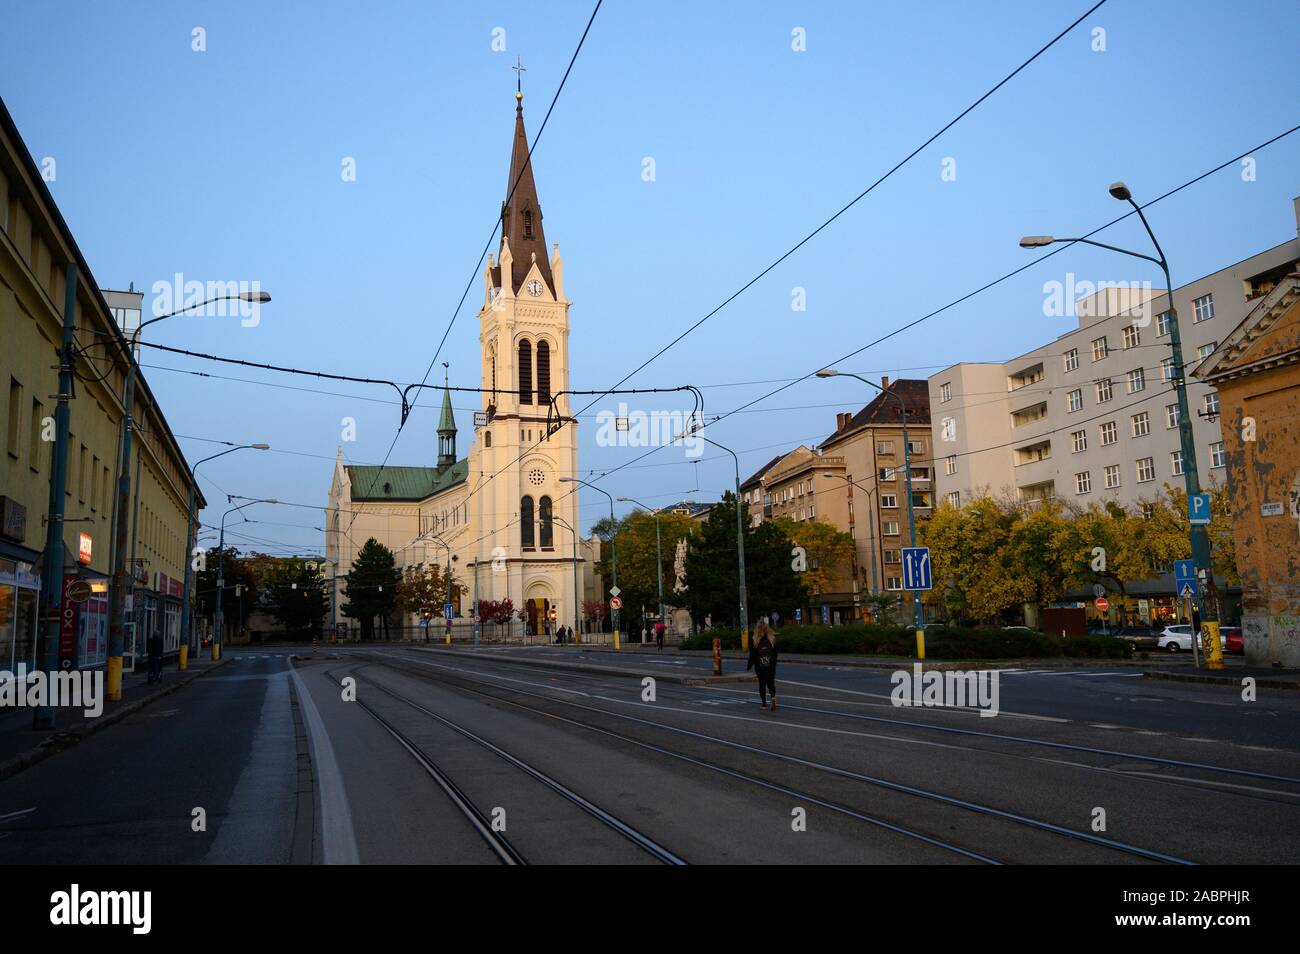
(807, 238)
(983, 288)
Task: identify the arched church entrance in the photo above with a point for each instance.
(538, 607)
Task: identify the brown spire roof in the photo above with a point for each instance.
(521, 213)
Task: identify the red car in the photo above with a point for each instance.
(1232, 640)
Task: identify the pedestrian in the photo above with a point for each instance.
(762, 659)
(659, 634)
(154, 646)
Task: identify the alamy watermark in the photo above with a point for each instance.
(229, 299)
(82, 690)
(648, 429)
(952, 688)
(1064, 299)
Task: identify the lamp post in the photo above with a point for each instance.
(437, 538)
(221, 567)
(117, 594)
(1200, 537)
(917, 620)
(613, 544)
(190, 545)
(577, 623)
(659, 555)
(871, 524)
(740, 540)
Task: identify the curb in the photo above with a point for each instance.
(670, 678)
(1222, 680)
(67, 738)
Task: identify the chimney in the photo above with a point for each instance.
(840, 420)
(884, 382)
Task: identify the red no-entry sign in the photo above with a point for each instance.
(1103, 604)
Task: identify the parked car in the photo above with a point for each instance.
(1233, 642)
(1179, 638)
(1141, 637)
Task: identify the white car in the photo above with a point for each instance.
(1176, 639)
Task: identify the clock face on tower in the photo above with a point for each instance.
(535, 288)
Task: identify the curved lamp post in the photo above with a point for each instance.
(221, 567)
(740, 540)
(577, 622)
(659, 554)
(613, 544)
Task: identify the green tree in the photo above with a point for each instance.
(638, 581)
(298, 599)
(827, 554)
(425, 588)
(240, 592)
(371, 588)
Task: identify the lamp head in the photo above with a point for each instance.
(260, 446)
(259, 296)
(1120, 191)
(1036, 241)
(827, 373)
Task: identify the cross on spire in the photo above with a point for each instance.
(520, 70)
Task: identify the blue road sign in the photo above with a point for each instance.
(447, 611)
(916, 568)
(1198, 510)
(798, 616)
(1185, 582)
(826, 613)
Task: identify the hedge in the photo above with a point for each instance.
(943, 642)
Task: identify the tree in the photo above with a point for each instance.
(371, 587)
(240, 592)
(827, 555)
(297, 598)
(497, 612)
(883, 606)
(425, 588)
(594, 610)
(638, 579)
(971, 559)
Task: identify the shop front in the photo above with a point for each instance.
(20, 589)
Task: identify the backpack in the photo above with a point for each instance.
(764, 651)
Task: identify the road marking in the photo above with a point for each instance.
(18, 814)
(339, 841)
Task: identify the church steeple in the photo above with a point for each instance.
(521, 213)
(446, 429)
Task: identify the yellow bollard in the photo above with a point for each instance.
(920, 644)
(744, 640)
(185, 657)
(216, 651)
(616, 643)
(114, 679)
(1214, 651)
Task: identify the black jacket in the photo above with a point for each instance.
(154, 645)
(753, 655)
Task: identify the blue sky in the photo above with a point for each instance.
(225, 165)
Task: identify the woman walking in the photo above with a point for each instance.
(762, 659)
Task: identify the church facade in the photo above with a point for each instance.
(500, 513)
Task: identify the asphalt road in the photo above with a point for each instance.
(463, 757)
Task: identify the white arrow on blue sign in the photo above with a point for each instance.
(916, 568)
(1198, 510)
(1185, 579)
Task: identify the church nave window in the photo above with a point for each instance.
(543, 373)
(544, 513)
(525, 372)
(526, 523)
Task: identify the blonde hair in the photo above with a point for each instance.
(761, 630)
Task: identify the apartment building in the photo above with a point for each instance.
(873, 485)
(36, 250)
(1093, 416)
(754, 495)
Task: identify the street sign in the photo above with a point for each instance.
(1198, 510)
(447, 611)
(1103, 604)
(1185, 581)
(826, 613)
(798, 616)
(1187, 591)
(478, 618)
(615, 603)
(78, 591)
(480, 418)
(1272, 509)
(614, 591)
(916, 568)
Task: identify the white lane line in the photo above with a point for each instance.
(339, 841)
(1104, 725)
(18, 814)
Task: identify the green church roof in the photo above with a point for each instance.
(404, 483)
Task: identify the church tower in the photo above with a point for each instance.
(526, 517)
(446, 430)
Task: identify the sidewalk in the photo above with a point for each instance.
(21, 746)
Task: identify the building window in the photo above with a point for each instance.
(916, 447)
(487, 438)
(1109, 434)
(889, 528)
(1146, 469)
(1176, 463)
(893, 583)
(1072, 359)
(545, 523)
(1205, 350)
(35, 458)
(1162, 324)
(1103, 391)
(1137, 381)
(945, 392)
(1217, 457)
(884, 447)
(893, 556)
(1171, 416)
(1083, 483)
(1141, 424)
(528, 224)
(15, 416)
(950, 465)
(526, 538)
(949, 433)
(954, 498)
(525, 372)
(1079, 440)
(1166, 369)
(543, 373)
(1211, 404)
(886, 473)
(1074, 400)
(1204, 307)
(1099, 349)
(889, 501)
(1132, 337)
(1112, 476)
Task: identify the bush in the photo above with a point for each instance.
(941, 642)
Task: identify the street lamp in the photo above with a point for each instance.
(221, 567)
(659, 556)
(117, 595)
(190, 544)
(871, 526)
(613, 544)
(1200, 537)
(740, 539)
(911, 513)
(577, 623)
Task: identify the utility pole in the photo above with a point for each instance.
(52, 570)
